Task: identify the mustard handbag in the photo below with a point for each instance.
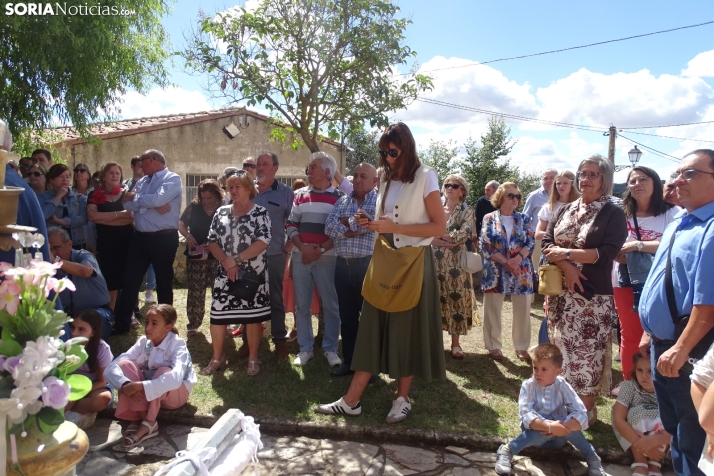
(550, 280)
(394, 277)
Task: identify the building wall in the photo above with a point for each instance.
(198, 148)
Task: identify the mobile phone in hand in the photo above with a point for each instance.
(364, 215)
(588, 290)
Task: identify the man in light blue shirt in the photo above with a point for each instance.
(693, 282)
(156, 203)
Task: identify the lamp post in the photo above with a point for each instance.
(634, 156)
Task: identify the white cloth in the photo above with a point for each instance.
(396, 187)
(651, 228)
(546, 213)
(172, 353)
(507, 222)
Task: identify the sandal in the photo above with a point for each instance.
(634, 466)
(457, 353)
(213, 366)
(135, 324)
(496, 354)
(131, 429)
(192, 333)
(523, 355)
(254, 367)
(654, 473)
(133, 440)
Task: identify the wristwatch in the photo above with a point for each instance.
(567, 254)
(322, 249)
(550, 428)
(640, 245)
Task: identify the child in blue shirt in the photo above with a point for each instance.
(551, 413)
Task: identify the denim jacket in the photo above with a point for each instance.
(76, 206)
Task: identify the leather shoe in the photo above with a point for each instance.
(343, 371)
(281, 348)
(243, 352)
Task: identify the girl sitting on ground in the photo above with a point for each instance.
(636, 420)
(83, 412)
(154, 373)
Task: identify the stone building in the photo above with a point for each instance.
(197, 146)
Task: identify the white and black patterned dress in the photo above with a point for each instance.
(235, 234)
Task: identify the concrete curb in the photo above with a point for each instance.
(390, 434)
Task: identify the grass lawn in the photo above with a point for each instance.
(480, 395)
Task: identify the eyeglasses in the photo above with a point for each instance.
(142, 159)
(25, 166)
(588, 175)
(249, 166)
(688, 174)
(57, 247)
(36, 174)
(391, 152)
(514, 196)
(80, 171)
(452, 185)
(234, 172)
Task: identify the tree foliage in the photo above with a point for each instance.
(442, 157)
(74, 69)
(317, 65)
(363, 146)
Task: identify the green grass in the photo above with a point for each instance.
(479, 396)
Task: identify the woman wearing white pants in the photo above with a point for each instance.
(507, 240)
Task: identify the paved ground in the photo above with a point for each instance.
(300, 455)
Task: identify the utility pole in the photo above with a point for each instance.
(611, 146)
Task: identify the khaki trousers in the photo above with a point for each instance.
(521, 326)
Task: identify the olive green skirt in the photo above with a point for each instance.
(407, 343)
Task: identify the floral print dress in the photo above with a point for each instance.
(234, 234)
(496, 278)
(455, 285)
(581, 328)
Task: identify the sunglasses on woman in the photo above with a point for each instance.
(36, 174)
(452, 185)
(80, 171)
(514, 196)
(391, 152)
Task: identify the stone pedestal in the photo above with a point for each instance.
(56, 454)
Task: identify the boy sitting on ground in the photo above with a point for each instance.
(551, 413)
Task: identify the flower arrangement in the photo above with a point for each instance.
(36, 366)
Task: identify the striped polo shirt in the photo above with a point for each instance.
(310, 211)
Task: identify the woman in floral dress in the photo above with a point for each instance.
(456, 291)
(507, 241)
(238, 238)
(583, 239)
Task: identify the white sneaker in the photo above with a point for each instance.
(339, 408)
(149, 296)
(333, 359)
(83, 421)
(400, 410)
(303, 358)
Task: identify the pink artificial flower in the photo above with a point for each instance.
(65, 284)
(4, 266)
(43, 268)
(9, 296)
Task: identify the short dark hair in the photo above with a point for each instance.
(657, 204)
(548, 352)
(56, 170)
(135, 159)
(44, 152)
(208, 185)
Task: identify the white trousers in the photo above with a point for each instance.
(521, 326)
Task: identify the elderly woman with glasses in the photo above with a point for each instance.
(457, 297)
(82, 180)
(37, 178)
(583, 239)
(507, 241)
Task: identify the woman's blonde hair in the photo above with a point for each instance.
(462, 183)
(555, 196)
(497, 197)
(244, 180)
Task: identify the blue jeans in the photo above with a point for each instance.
(150, 277)
(679, 417)
(536, 438)
(349, 276)
(322, 275)
(543, 332)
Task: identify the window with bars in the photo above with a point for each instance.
(190, 186)
(289, 180)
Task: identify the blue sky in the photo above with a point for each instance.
(661, 79)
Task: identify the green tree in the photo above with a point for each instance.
(488, 160)
(317, 65)
(363, 146)
(73, 69)
(441, 156)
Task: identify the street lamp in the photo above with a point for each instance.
(634, 155)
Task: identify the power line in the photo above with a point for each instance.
(668, 137)
(654, 151)
(669, 125)
(563, 49)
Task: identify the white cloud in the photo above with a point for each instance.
(701, 65)
(160, 102)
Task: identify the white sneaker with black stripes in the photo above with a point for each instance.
(339, 408)
(400, 410)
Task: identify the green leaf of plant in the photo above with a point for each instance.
(50, 416)
(46, 428)
(10, 347)
(80, 386)
(80, 352)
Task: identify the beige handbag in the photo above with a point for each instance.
(550, 280)
(470, 262)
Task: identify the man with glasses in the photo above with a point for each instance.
(156, 203)
(25, 164)
(692, 287)
(249, 166)
(81, 267)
